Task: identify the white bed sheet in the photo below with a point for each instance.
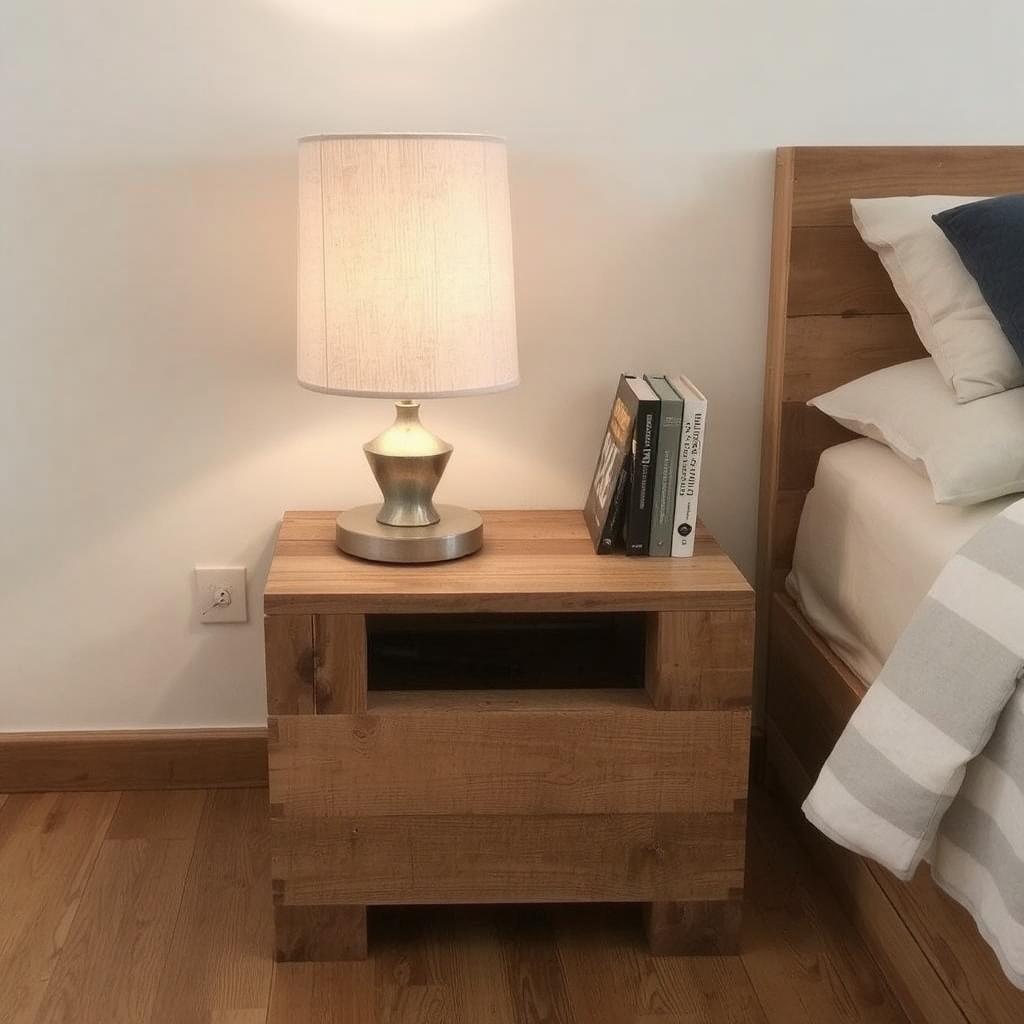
(870, 543)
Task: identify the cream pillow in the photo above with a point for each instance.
(970, 453)
(950, 316)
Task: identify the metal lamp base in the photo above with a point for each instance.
(459, 532)
(407, 461)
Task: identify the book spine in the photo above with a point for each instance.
(616, 512)
(691, 447)
(613, 455)
(667, 466)
(641, 496)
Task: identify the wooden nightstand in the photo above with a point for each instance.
(533, 723)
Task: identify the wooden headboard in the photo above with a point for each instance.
(832, 313)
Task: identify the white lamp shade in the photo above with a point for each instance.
(405, 266)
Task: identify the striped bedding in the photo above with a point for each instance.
(931, 764)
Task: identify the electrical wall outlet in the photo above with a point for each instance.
(220, 594)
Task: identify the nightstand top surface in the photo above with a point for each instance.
(539, 561)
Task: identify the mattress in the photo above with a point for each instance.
(870, 543)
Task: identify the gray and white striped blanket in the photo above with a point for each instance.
(931, 764)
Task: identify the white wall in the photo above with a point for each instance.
(149, 419)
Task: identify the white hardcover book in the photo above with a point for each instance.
(691, 448)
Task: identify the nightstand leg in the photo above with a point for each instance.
(319, 934)
(316, 665)
(701, 660)
(704, 927)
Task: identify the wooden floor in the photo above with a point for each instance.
(154, 908)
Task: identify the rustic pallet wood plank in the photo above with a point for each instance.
(508, 762)
(340, 673)
(700, 660)
(507, 858)
(288, 641)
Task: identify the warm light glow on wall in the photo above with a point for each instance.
(387, 15)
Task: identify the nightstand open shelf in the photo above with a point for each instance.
(520, 650)
(529, 792)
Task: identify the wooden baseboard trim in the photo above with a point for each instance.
(133, 759)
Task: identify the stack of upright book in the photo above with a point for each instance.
(643, 498)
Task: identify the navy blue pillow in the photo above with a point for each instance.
(989, 236)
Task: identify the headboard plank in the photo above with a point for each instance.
(833, 315)
(823, 352)
(831, 271)
(826, 177)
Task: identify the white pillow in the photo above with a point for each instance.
(950, 316)
(970, 453)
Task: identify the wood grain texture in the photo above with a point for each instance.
(811, 690)
(788, 507)
(533, 973)
(132, 759)
(414, 981)
(949, 939)
(798, 947)
(832, 272)
(531, 561)
(450, 960)
(487, 796)
(699, 660)
(48, 845)
(540, 761)
(806, 433)
(801, 962)
(826, 352)
(319, 993)
(288, 642)
(319, 934)
(219, 960)
(340, 664)
(481, 988)
(109, 969)
(419, 702)
(610, 977)
(771, 423)
(706, 927)
(597, 986)
(828, 176)
(507, 859)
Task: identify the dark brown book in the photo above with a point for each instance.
(604, 511)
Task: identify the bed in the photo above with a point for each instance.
(871, 541)
(833, 317)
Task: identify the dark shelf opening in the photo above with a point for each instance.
(518, 651)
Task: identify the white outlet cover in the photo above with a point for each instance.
(212, 580)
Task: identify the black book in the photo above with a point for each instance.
(605, 508)
(643, 467)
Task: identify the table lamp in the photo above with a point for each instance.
(405, 291)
